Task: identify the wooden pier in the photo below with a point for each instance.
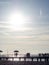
(37, 58)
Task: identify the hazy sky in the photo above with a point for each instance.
(33, 35)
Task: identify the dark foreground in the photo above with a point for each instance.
(23, 63)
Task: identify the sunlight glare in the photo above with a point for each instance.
(16, 21)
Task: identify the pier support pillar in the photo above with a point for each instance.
(19, 59)
(0, 58)
(24, 59)
(12, 59)
(32, 59)
(40, 59)
(37, 59)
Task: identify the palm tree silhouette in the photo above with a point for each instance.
(27, 55)
(1, 52)
(16, 52)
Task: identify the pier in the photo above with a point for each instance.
(38, 58)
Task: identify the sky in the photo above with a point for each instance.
(24, 26)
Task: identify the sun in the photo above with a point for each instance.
(16, 20)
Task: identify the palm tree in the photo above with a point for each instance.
(1, 52)
(16, 52)
(27, 55)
